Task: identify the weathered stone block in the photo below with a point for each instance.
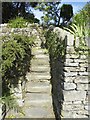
(70, 39)
(81, 60)
(70, 74)
(83, 73)
(67, 102)
(81, 79)
(69, 79)
(71, 64)
(69, 86)
(77, 42)
(74, 69)
(84, 56)
(74, 95)
(69, 61)
(72, 114)
(72, 56)
(77, 102)
(82, 112)
(87, 107)
(73, 107)
(70, 49)
(83, 64)
(82, 86)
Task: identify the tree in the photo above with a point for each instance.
(8, 11)
(53, 12)
(12, 9)
(66, 13)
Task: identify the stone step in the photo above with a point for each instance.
(44, 87)
(42, 56)
(35, 103)
(39, 51)
(43, 68)
(38, 97)
(38, 112)
(41, 62)
(38, 76)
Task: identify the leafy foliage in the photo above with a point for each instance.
(80, 28)
(66, 13)
(80, 32)
(16, 55)
(18, 22)
(15, 58)
(55, 45)
(12, 9)
(8, 103)
(82, 18)
(51, 12)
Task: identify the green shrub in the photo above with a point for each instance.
(81, 32)
(56, 46)
(16, 53)
(18, 22)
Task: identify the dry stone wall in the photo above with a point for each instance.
(31, 30)
(72, 82)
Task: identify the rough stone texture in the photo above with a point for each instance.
(38, 97)
(69, 79)
(73, 81)
(69, 86)
(37, 101)
(74, 95)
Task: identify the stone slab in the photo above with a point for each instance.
(35, 76)
(38, 112)
(43, 68)
(44, 87)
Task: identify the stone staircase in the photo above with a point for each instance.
(38, 98)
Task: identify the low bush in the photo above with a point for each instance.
(16, 54)
(18, 22)
(56, 46)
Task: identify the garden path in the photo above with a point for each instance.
(38, 98)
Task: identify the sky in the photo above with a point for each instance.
(77, 5)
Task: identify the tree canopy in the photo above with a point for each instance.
(12, 9)
(53, 12)
(66, 13)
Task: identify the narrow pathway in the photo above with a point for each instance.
(38, 98)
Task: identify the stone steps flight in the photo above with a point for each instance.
(38, 97)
